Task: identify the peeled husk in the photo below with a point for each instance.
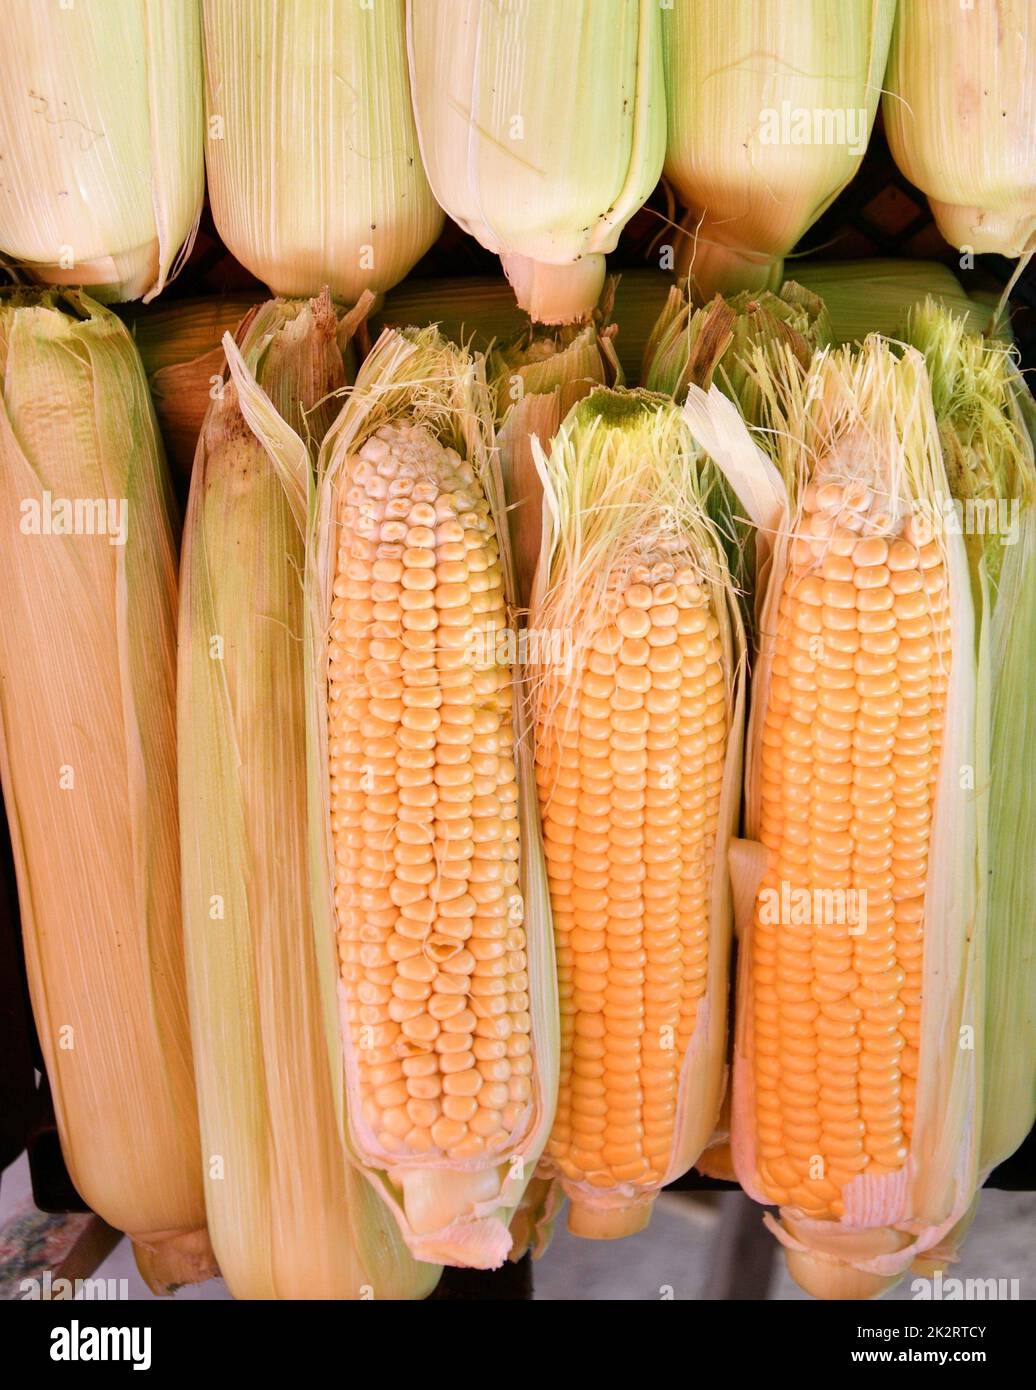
(716, 342)
(314, 172)
(289, 1216)
(542, 127)
(536, 379)
(101, 142)
(960, 115)
(448, 1211)
(88, 756)
(882, 402)
(984, 408)
(750, 191)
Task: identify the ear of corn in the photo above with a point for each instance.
(855, 1109)
(689, 344)
(960, 115)
(87, 658)
(875, 296)
(289, 1216)
(979, 403)
(535, 380)
(542, 128)
(638, 765)
(326, 188)
(181, 346)
(430, 899)
(172, 333)
(770, 110)
(101, 128)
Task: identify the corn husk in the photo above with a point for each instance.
(622, 474)
(180, 347)
(960, 115)
(453, 1211)
(536, 379)
(175, 332)
(101, 142)
(542, 128)
(981, 405)
(718, 341)
(88, 756)
(874, 408)
(875, 296)
(314, 173)
(770, 110)
(994, 315)
(289, 1216)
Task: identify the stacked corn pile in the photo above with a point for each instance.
(504, 693)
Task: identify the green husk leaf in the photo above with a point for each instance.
(982, 405)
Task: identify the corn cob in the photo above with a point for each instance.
(101, 132)
(770, 110)
(536, 379)
(428, 874)
(289, 1217)
(638, 765)
(314, 173)
(88, 750)
(854, 1110)
(542, 128)
(960, 113)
